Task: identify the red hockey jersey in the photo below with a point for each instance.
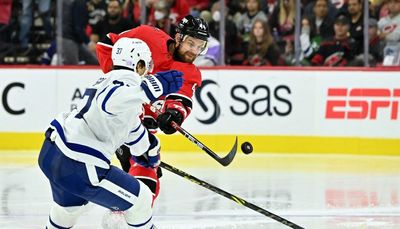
(157, 40)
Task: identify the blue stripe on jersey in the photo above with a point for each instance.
(97, 98)
(77, 147)
(140, 225)
(138, 139)
(133, 131)
(103, 105)
(56, 226)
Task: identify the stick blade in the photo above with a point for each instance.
(225, 161)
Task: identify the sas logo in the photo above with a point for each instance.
(362, 103)
(203, 96)
(257, 100)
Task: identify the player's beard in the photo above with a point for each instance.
(186, 57)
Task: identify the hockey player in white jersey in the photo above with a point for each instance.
(79, 145)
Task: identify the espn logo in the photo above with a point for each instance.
(362, 103)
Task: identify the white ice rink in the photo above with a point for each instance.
(314, 191)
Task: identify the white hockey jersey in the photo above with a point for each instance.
(108, 117)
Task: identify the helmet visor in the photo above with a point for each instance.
(197, 46)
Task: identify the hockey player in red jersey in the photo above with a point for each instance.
(179, 54)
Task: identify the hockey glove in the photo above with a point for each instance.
(123, 154)
(152, 157)
(164, 120)
(150, 123)
(162, 83)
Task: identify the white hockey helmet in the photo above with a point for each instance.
(127, 52)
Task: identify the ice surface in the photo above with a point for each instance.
(314, 191)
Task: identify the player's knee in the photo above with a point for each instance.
(140, 214)
(63, 217)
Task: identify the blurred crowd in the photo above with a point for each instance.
(257, 32)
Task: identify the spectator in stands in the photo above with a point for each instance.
(75, 43)
(314, 29)
(374, 7)
(389, 28)
(375, 43)
(27, 19)
(161, 19)
(206, 16)
(282, 23)
(383, 9)
(262, 49)
(338, 51)
(113, 22)
(236, 9)
(375, 46)
(355, 8)
(245, 23)
(131, 11)
(308, 45)
(289, 55)
(196, 6)
(5, 30)
(309, 5)
(5, 16)
(177, 10)
(97, 11)
(232, 42)
(321, 23)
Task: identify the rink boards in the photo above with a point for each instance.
(300, 110)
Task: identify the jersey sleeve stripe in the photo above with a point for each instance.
(77, 147)
(109, 94)
(136, 129)
(138, 139)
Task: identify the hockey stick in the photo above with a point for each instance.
(229, 195)
(222, 160)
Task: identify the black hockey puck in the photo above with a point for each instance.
(247, 148)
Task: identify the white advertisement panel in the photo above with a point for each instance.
(298, 103)
(364, 104)
(71, 86)
(28, 99)
(252, 102)
(32, 97)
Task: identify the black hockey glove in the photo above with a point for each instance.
(164, 120)
(124, 154)
(150, 123)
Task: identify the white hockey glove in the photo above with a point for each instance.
(152, 157)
